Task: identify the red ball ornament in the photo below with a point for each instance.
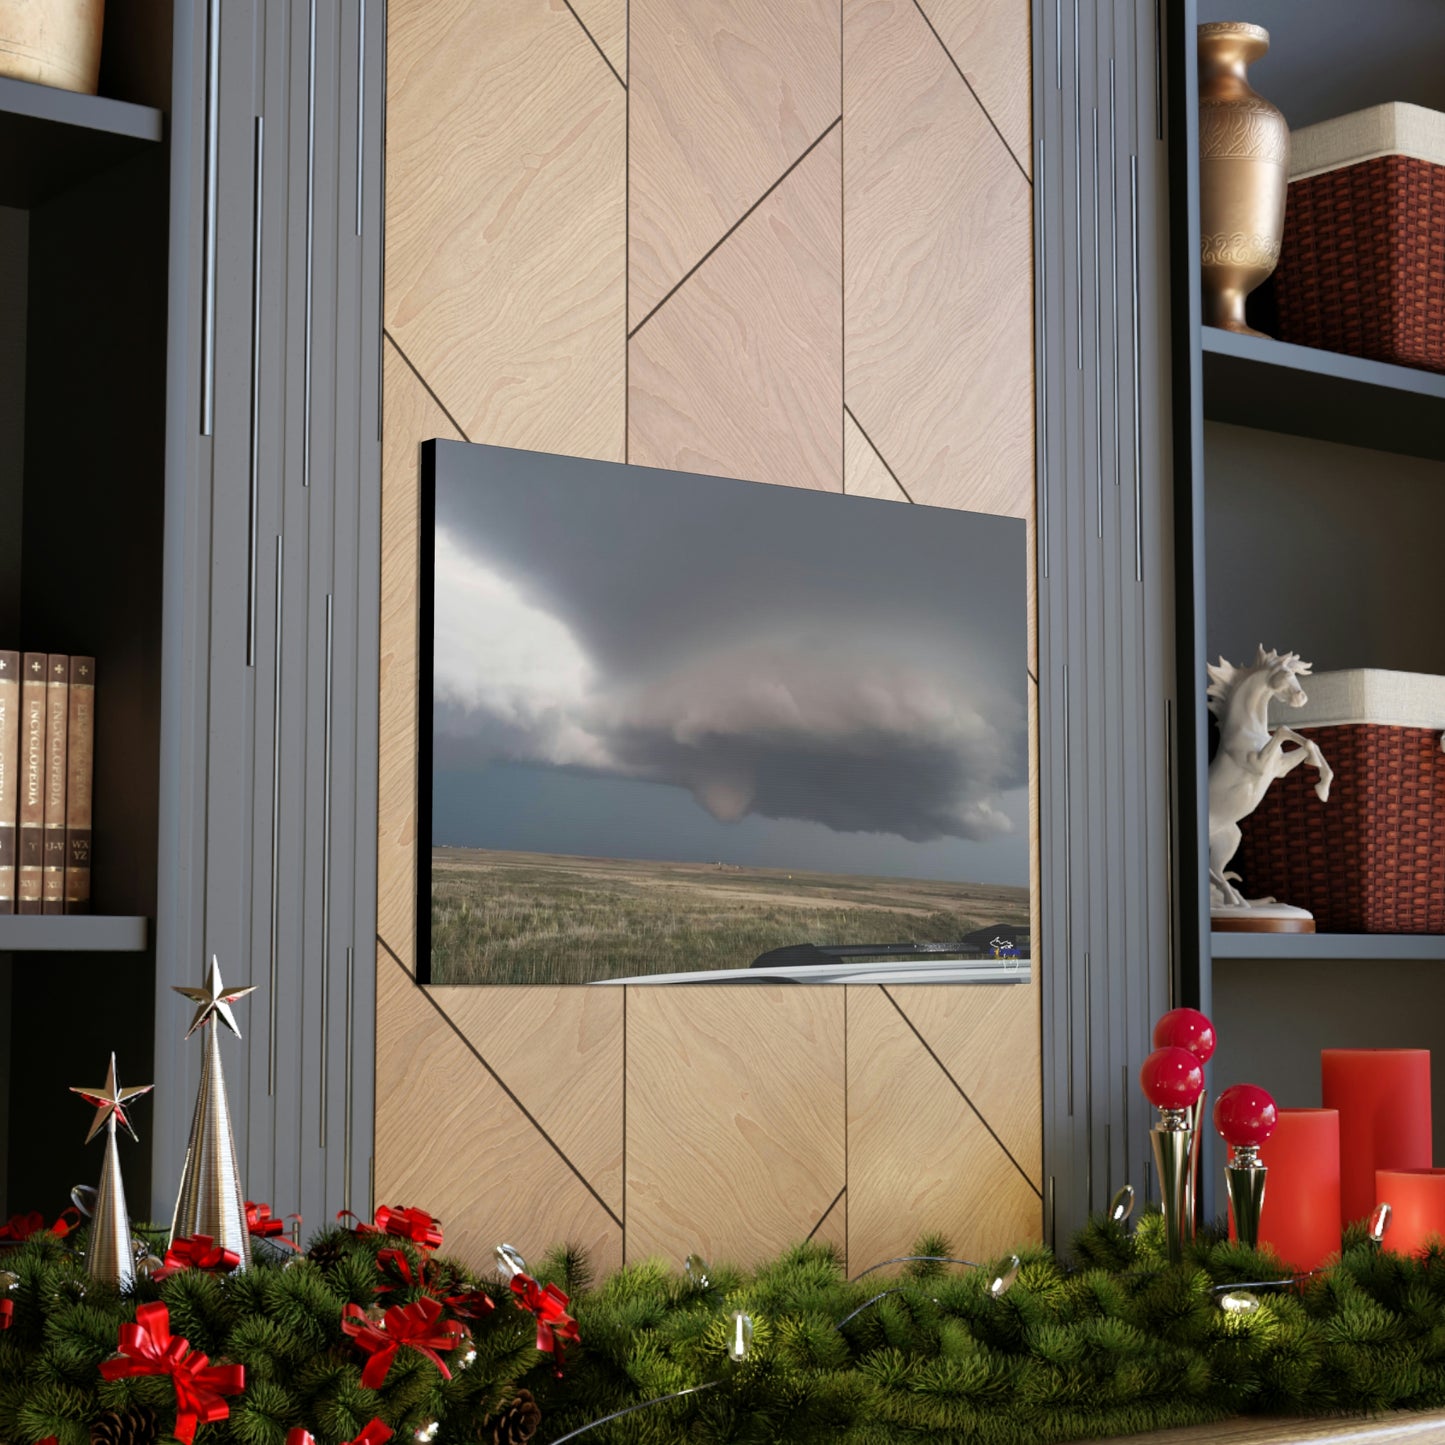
(1172, 1078)
(1245, 1115)
(1186, 1028)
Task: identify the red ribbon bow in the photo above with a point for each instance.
(197, 1251)
(376, 1433)
(7, 1313)
(20, 1227)
(554, 1325)
(415, 1324)
(265, 1225)
(147, 1347)
(413, 1224)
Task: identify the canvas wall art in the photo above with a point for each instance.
(681, 727)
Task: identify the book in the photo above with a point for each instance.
(9, 774)
(57, 726)
(80, 759)
(31, 864)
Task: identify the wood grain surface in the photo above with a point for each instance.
(723, 1120)
(448, 1137)
(919, 1159)
(990, 42)
(864, 472)
(726, 95)
(1396, 1428)
(985, 1038)
(937, 294)
(579, 1106)
(606, 22)
(735, 1117)
(410, 416)
(506, 220)
(741, 372)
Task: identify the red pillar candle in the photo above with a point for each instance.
(1417, 1207)
(1300, 1220)
(1383, 1096)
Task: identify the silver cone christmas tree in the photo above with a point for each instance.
(211, 1200)
(110, 1256)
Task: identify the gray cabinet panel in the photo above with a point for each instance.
(271, 643)
(1106, 623)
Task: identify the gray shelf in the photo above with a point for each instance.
(1367, 947)
(72, 933)
(1259, 382)
(50, 139)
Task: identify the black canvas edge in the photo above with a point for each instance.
(425, 668)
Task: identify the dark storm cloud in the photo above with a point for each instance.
(777, 652)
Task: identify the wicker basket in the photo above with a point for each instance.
(1362, 264)
(52, 42)
(1372, 858)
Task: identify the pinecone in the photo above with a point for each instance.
(515, 1423)
(330, 1249)
(135, 1425)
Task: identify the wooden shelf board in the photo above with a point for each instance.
(72, 933)
(1367, 947)
(1275, 385)
(50, 139)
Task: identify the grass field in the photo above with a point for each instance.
(545, 918)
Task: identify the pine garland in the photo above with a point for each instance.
(1119, 1342)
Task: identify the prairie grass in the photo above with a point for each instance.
(543, 919)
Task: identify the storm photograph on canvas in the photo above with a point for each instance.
(684, 725)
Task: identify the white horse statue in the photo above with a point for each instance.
(1250, 757)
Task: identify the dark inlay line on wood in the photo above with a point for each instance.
(918, 4)
(713, 250)
(426, 385)
(595, 46)
(849, 410)
(823, 1219)
(961, 1092)
(500, 1082)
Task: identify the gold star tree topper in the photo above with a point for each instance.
(213, 997)
(110, 1101)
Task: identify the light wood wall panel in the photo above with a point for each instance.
(451, 1139)
(740, 373)
(580, 1105)
(410, 414)
(990, 44)
(938, 303)
(865, 474)
(606, 23)
(920, 1158)
(506, 209)
(735, 1117)
(726, 95)
(815, 230)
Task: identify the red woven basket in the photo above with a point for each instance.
(1372, 858)
(1362, 263)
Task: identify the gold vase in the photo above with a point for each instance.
(1243, 172)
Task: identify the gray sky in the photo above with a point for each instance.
(640, 663)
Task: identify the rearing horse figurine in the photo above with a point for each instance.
(1250, 756)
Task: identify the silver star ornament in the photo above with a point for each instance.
(213, 997)
(110, 1100)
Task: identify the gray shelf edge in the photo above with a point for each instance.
(86, 112)
(1364, 947)
(1310, 360)
(73, 933)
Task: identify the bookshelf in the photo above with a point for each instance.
(84, 238)
(74, 933)
(52, 140)
(1310, 496)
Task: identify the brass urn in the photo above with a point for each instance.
(1243, 172)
